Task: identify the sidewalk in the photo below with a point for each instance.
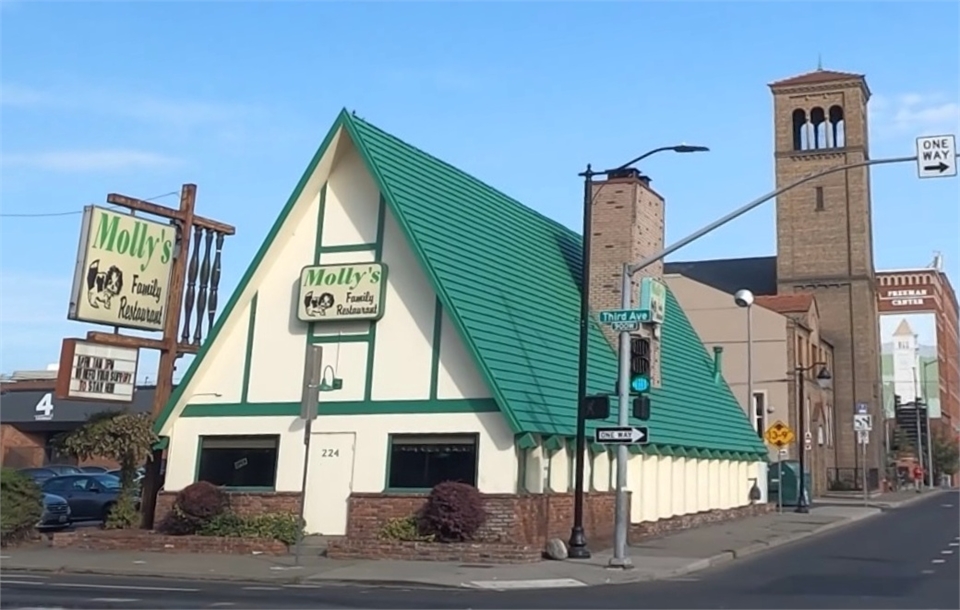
(659, 558)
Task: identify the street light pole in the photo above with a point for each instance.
(823, 379)
(578, 542)
(577, 546)
(744, 298)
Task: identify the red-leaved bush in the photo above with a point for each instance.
(194, 507)
(453, 512)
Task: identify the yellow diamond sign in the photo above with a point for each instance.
(779, 435)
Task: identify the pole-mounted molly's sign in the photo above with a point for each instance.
(123, 270)
(337, 293)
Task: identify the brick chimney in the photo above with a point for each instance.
(628, 225)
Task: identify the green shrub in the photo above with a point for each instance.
(21, 506)
(404, 529)
(273, 526)
(123, 514)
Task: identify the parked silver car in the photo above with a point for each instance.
(56, 512)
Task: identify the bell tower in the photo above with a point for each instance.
(825, 238)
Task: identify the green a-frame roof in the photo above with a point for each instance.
(509, 278)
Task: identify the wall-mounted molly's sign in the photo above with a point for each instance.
(123, 270)
(336, 293)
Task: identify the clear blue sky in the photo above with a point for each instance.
(138, 98)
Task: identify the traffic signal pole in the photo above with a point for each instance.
(622, 514)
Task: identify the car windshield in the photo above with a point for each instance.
(108, 481)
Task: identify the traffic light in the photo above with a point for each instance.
(639, 364)
(596, 407)
(641, 407)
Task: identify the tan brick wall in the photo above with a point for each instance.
(627, 226)
(830, 252)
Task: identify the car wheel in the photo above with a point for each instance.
(106, 510)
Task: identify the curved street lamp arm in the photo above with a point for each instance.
(632, 269)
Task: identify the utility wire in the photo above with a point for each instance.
(53, 214)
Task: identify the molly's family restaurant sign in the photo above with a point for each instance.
(337, 293)
(123, 270)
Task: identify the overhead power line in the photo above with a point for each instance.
(53, 214)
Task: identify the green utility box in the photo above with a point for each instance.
(785, 476)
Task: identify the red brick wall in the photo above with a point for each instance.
(20, 449)
(519, 519)
(245, 504)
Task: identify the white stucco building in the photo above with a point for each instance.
(449, 334)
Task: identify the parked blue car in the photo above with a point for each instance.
(90, 496)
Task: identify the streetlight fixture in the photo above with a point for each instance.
(744, 298)
(825, 381)
(577, 546)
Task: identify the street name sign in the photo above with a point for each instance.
(614, 316)
(624, 327)
(936, 156)
(779, 435)
(626, 435)
(862, 423)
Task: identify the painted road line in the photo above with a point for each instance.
(7, 581)
(503, 585)
(261, 588)
(955, 544)
(303, 586)
(947, 552)
(938, 561)
(19, 575)
(115, 600)
(77, 585)
(221, 604)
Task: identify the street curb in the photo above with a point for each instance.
(279, 581)
(760, 547)
(693, 567)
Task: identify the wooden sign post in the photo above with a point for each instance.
(182, 297)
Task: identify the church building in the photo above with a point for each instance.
(824, 243)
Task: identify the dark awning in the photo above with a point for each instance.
(38, 407)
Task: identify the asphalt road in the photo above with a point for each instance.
(905, 558)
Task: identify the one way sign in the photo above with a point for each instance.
(622, 436)
(936, 157)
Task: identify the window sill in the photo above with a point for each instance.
(243, 490)
(408, 491)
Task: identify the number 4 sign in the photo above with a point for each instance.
(44, 408)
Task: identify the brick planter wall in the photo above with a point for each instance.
(246, 504)
(527, 520)
(652, 529)
(482, 552)
(140, 540)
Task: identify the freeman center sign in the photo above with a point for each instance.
(337, 293)
(123, 270)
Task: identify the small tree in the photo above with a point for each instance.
(126, 438)
(945, 453)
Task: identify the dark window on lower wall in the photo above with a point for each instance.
(422, 461)
(239, 461)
